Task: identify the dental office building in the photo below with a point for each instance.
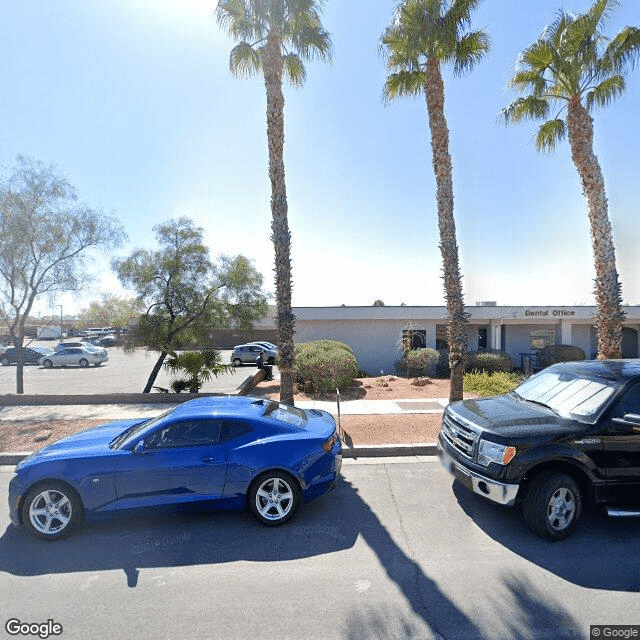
(375, 333)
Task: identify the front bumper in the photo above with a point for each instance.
(504, 494)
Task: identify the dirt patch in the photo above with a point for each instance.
(19, 436)
(381, 388)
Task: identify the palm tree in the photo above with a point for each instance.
(274, 38)
(573, 66)
(424, 35)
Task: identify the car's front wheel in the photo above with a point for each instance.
(237, 362)
(51, 510)
(552, 505)
(4, 361)
(47, 364)
(274, 498)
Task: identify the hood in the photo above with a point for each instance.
(85, 443)
(507, 415)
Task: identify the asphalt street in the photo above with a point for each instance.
(395, 552)
(123, 373)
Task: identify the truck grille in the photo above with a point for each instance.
(461, 437)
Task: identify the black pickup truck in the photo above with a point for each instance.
(566, 437)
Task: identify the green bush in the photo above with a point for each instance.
(490, 361)
(419, 361)
(559, 353)
(326, 364)
(484, 383)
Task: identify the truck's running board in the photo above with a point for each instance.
(623, 513)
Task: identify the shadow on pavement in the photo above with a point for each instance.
(330, 524)
(603, 553)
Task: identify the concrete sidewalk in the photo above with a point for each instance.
(123, 411)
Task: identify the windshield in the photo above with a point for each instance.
(570, 396)
(285, 413)
(129, 434)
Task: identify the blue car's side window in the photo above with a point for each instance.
(232, 430)
(189, 433)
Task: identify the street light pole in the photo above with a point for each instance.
(61, 329)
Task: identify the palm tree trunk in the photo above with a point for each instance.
(281, 236)
(607, 283)
(456, 316)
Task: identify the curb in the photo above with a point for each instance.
(362, 451)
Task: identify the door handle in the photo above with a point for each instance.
(207, 459)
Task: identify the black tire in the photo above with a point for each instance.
(47, 364)
(51, 510)
(552, 505)
(274, 498)
(5, 361)
(83, 363)
(237, 362)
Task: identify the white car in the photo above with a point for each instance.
(74, 356)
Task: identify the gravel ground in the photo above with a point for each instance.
(360, 429)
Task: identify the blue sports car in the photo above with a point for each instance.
(231, 451)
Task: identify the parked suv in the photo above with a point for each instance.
(567, 436)
(30, 355)
(247, 353)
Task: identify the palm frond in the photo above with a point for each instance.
(529, 80)
(294, 69)
(549, 134)
(245, 60)
(403, 84)
(623, 50)
(605, 92)
(525, 108)
(470, 50)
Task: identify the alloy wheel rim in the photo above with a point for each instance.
(50, 512)
(562, 508)
(274, 499)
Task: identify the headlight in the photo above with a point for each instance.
(489, 452)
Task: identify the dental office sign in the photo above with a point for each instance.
(548, 313)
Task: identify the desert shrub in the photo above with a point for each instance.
(326, 364)
(559, 353)
(491, 384)
(420, 360)
(491, 361)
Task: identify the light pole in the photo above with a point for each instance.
(61, 329)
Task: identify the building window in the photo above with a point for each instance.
(413, 339)
(541, 338)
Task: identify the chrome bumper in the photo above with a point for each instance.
(499, 492)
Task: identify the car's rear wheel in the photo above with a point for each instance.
(4, 361)
(552, 505)
(51, 510)
(274, 498)
(47, 364)
(83, 362)
(237, 362)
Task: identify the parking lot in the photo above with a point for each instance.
(123, 373)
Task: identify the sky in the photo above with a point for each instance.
(134, 102)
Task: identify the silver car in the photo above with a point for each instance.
(247, 354)
(74, 356)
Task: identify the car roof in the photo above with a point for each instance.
(609, 369)
(222, 407)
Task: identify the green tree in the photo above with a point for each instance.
(424, 35)
(185, 294)
(110, 311)
(574, 67)
(49, 238)
(378, 303)
(191, 369)
(274, 38)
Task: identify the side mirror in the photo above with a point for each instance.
(140, 447)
